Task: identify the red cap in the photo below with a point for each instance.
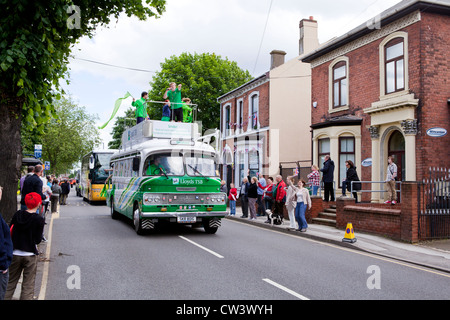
(33, 200)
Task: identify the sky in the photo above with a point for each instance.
(244, 31)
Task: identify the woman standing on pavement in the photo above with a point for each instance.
(291, 203)
(302, 198)
(252, 196)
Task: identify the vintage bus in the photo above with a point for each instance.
(165, 173)
(95, 170)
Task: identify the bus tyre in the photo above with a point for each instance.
(114, 213)
(137, 221)
(211, 225)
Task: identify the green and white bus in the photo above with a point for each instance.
(166, 173)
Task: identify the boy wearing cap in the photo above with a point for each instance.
(27, 229)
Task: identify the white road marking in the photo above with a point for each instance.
(202, 247)
(279, 286)
(43, 290)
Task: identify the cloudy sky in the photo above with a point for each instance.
(245, 31)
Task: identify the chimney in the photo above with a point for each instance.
(308, 35)
(277, 58)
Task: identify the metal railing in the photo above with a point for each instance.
(398, 188)
(397, 183)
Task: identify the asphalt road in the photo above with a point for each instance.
(95, 257)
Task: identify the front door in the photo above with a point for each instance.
(397, 151)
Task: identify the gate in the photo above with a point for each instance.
(434, 205)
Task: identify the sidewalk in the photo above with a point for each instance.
(432, 254)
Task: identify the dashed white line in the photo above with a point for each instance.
(279, 286)
(202, 247)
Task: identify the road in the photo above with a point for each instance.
(95, 257)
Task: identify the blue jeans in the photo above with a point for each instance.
(232, 207)
(314, 190)
(300, 210)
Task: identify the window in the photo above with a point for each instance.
(346, 152)
(340, 84)
(240, 117)
(324, 149)
(227, 119)
(201, 165)
(394, 66)
(164, 164)
(254, 110)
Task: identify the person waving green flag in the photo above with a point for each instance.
(116, 108)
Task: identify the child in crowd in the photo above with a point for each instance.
(166, 111)
(232, 197)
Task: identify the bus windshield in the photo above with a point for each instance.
(200, 165)
(164, 164)
(101, 169)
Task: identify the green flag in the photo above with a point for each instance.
(116, 108)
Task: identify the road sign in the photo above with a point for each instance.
(47, 165)
(38, 151)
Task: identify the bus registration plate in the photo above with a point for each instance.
(186, 219)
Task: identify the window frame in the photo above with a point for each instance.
(342, 163)
(395, 60)
(338, 65)
(338, 62)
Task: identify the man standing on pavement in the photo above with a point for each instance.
(243, 195)
(328, 178)
(279, 194)
(391, 177)
(32, 183)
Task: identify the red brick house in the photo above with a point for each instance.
(384, 89)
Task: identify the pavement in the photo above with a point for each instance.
(431, 254)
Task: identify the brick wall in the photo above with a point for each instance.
(434, 75)
(399, 222)
(429, 81)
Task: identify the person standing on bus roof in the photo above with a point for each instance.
(141, 107)
(173, 93)
(166, 111)
(187, 111)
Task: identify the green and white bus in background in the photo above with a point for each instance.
(165, 173)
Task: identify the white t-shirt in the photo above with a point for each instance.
(299, 196)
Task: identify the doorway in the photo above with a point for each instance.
(396, 149)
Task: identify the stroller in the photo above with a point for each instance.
(274, 217)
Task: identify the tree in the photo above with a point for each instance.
(36, 38)
(68, 137)
(119, 127)
(204, 78)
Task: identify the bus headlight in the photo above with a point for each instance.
(152, 199)
(218, 198)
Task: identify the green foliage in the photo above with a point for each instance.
(36, 38)
(204, 78)
(69, 137)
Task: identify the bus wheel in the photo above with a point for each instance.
(137, 221)
(211, 225)
(114, 213)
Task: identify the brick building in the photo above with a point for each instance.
(384, 89)
(265, 122)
